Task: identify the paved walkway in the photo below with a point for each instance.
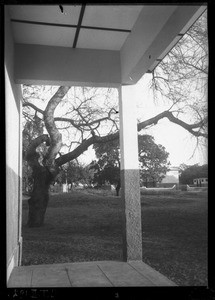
(88, 274)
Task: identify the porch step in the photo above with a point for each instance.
(88, 274)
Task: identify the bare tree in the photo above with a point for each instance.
(181, 77)
(76, 118)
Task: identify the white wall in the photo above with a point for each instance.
(13, 157)
(36, 64)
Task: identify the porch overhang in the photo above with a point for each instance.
(157, 28)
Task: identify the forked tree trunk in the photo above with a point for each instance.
(44, 174)
(39, 197)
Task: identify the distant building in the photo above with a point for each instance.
(200, 182)
(171, 178)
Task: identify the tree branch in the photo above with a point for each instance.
(69, 120)
(31, 155)
(33, 106)
(103, 139)
(189, 127)
(55, 135)
(167, 114)
(151, 121)
(84, 146)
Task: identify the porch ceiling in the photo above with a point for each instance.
(92, 27)
(104, 45)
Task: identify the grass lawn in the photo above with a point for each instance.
(81, 226)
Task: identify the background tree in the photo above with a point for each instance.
(74, 173)
(74, 118)
(188, 173)
(152, 159)
(108, 174)
(107, 168)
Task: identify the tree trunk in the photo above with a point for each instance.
(44, 174)
(39, 196)
(118, 188)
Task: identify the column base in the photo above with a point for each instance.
(131, 205)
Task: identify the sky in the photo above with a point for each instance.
(179, 143)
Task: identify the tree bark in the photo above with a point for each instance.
(39, 197)
(42, 178)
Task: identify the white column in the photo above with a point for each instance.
(20, 177)
(130, 181)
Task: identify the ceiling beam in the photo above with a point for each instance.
(69, 25)
(105, 28)
(79, 25)
(42, 23)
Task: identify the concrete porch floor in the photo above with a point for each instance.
(88, 274)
